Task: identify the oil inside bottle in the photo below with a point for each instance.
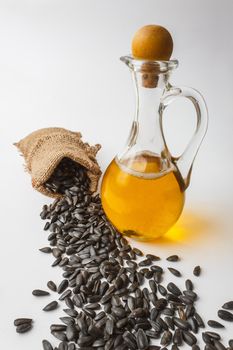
(141, 196)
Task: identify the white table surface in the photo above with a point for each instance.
(59, 66)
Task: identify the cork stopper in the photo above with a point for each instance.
(150, 75)
(152, 43)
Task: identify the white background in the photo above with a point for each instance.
(59, 66)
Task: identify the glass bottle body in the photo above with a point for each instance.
(140, 202)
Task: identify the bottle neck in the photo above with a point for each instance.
(146, 136)
(149, 90)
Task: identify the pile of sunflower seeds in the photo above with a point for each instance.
(114, 297)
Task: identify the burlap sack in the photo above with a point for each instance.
(45, 148)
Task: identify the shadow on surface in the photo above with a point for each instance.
(192, 227)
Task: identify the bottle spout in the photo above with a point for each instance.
(159, 66)
(150, 74)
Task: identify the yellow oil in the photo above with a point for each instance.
(139, 199)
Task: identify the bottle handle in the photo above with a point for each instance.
(185, 161)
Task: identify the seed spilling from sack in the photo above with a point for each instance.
(108, 305)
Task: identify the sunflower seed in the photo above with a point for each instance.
(46, 250)
(56, 262)
(206, 338)
(67, 320)
(200, 321)
(152, 257)
(146, 262)
(62, 286)
(189, 338)
(58, 327)
(71, 312)
(59, 335)
(109, 326)
(181, 323)
(51, 306)
(23, 328)
(52, 286)
(225, 315)
(142, 340)
(228, 305)
(197, 271)
(193, 324)
(39, 292)
(213, 335)
(46, 345)
(56, 252)
(162, 290)
(19, 321)
(189, 284)
(166, 338)
(65, 294)
(177, 337)
(71, 333)
(173, 258)
(138, 252)
(175, 272)
(173, 289)
(215, 324)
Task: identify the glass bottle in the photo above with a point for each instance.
(143, 188)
